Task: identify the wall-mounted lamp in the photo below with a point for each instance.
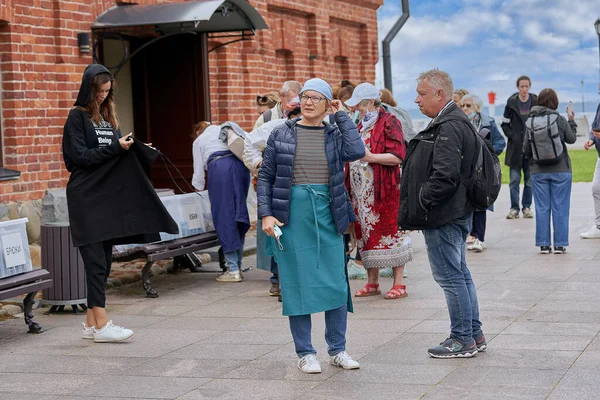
(83, 41)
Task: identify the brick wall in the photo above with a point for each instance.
(41, 70)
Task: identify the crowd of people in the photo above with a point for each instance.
(342, 179)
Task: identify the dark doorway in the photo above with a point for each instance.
(170, 94)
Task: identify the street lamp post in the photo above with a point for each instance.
(597, 26)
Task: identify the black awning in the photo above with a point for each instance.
(196, 16)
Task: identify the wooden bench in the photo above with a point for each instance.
(30, 283)
(170, 249)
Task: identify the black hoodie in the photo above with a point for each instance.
(109, 194)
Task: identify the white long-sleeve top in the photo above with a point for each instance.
(255, 143)
(204, 146)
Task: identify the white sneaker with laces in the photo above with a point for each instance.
(309, 364)
(477, 247)
(87, 332)
(112, 333)
(343, 359)
(592, 233)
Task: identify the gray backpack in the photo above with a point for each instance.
(546, 144)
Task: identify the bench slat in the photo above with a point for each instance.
(22, 289)
(171, 244)
(16, 280)
(168, 253)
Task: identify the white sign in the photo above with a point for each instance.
(193, 215)
(14, 249)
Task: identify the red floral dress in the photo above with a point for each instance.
(375, 193)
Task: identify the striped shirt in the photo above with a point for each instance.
(310, 165)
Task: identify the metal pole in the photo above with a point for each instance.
(582, 98)
(386, 48)
(599, 55)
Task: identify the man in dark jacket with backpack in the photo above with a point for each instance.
(434, 199)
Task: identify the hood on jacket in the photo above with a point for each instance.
(85, 90)
(541, 110)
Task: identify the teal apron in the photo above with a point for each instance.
(311, 258)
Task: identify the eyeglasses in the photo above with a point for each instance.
(313, 99)
(467, 105)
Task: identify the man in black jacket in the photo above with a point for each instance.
(433, 199)
(516, 113)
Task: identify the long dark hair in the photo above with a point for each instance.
(105, 110)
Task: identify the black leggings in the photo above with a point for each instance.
(97, 259)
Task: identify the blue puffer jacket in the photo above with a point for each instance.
(342, 144)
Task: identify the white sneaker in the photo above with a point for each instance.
(592, 233)
(478, 246)
(87, 332)
(309, 364)
(343, 359)
(112, 333)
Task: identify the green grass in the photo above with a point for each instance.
(583, 162)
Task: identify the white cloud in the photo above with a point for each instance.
(537, 35)
(486, 44)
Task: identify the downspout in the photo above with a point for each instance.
(386, 48)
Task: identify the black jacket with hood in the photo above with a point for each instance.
(437, 161)
(109, 194)
(514, 130)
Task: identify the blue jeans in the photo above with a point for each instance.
(335, 331)
(479, 222)
(234, 260)
(446, 251)
(515, 181)
(552, 193)
(274, 271)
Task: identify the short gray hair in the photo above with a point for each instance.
(438, 80)
(474, 98)
(294, 86)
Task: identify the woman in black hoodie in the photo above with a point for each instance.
(109, 196)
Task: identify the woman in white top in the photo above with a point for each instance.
(228, 183)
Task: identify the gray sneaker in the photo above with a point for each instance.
(513, 214)
(527, 213)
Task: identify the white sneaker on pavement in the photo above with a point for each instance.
(592, 233)
(309, 364)
(87, 332)
(478, 246)
(112, 333)
(343, 359)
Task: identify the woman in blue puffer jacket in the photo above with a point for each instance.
(304, 206)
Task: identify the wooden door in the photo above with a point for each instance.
(170, 95)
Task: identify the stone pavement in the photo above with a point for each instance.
(201, 339)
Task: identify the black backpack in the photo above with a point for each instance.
(483, 186)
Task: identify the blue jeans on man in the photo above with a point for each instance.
(274, 271)
(446, 250)
(514, 185)
(233, 259)
(336, 321)
(552, 193)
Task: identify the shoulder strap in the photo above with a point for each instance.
(267, 115)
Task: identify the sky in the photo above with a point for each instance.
(485, 45)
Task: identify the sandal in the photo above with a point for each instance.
(369, 290)
(396, 292)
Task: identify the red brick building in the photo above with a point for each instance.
(165, 87)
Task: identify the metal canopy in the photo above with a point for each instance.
(197, 16)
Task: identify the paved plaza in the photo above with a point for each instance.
(201, 339)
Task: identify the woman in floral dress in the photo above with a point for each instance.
(374, 187)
